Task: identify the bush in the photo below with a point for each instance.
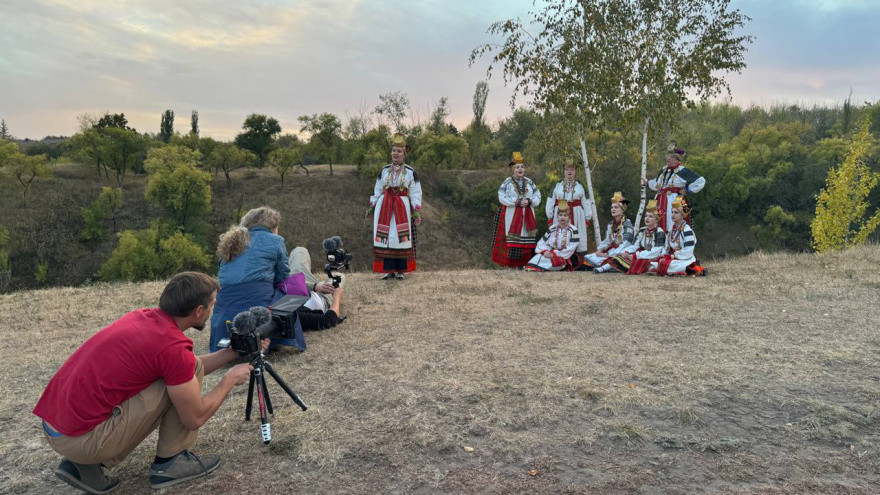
(108, 203)
(483, 198)
(146, 255)
(176, 184)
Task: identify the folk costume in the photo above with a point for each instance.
(618, 236)
(636, 258)
(573, 193)
(554, 251)
(515, 225)
(678, 256)
(672, 182)
(396, 202)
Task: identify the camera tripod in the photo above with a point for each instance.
(258, 379)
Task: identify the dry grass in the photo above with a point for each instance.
(762, 379)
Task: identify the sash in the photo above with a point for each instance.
(663, 264)
(391, 203)
(523, 215)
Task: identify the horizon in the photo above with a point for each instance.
(143, 58)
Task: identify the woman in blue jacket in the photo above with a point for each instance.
(253, 260)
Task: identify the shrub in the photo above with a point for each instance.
(176, 184)
(841, 207)
(108, 203)
(146, 255)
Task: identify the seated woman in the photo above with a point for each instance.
(555, 249)
(322, 310)
(618, 236)
(678, 256)
(649, 245)
(253, 260)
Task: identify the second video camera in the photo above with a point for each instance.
(337, 258)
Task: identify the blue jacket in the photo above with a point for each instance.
(264, 260)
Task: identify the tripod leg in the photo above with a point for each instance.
(284, 386)
(249, 405)
(265, 427)
(266, 394)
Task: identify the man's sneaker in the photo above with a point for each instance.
(387, 276)
(182, 467)
(89, 478)
(398, 276)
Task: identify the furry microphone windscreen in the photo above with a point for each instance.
(244, 322)
(261, 314)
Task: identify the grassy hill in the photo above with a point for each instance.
(761, 378)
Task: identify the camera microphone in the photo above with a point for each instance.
(337, 240)
(244, 322)
(331, 244)
(261, 315)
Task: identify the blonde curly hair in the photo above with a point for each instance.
(234, 241)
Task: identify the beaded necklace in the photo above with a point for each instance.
(395, 176)
(519, 185)
(568, 189)
(556, 246)
(649, 238)
(677, 231)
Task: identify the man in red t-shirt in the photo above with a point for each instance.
(134, 376)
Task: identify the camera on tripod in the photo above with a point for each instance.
(337, 258)
(250, 327)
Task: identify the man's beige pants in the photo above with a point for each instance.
(111, 441)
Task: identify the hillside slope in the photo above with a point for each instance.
(761, 378)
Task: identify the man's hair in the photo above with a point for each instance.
(187, 291)
(261, 217)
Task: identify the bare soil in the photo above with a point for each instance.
(763, 377)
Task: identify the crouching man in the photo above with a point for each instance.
(134, 376)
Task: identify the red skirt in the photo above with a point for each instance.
(504, 255)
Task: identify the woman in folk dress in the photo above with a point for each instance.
(554, 251)
(395, 207)
(678, 256)
(649, 245)
(515, 225)
(618, 236)
(570, 190)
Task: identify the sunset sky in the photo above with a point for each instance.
(286, 58)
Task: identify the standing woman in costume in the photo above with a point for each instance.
(570, 190)
(618, 236)
(678, 256)
(515, 224)
(672, 182)
(395, 206)
(554, 251)
(650, 244)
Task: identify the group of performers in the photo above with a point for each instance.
(663, 246)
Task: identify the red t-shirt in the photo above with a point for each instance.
(113, 366)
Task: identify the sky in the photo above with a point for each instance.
(287, 58)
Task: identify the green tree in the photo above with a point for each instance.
(678, 54)
(573, 65)
(4, 131)
(284, 159)
(479, 133)
(113, 120)
(194, 123)
(24, 168)
(148, 255)
(514, 130)
(107, 204)
(437, 121)
(439, 151)
(121, 151)
(326, 140)
(177, 185)
(227, 158)
(841, 207)
(258, 136)
(87, 148)
(393, 107)
(166, 127)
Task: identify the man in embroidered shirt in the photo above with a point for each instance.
(134, 376)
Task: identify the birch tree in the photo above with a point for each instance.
(677, 55)
(573, 64)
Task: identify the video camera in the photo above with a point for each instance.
(337, 258)
(250, 327)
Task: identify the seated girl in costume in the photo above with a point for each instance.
(650, 243)
(618, 236)
(678, 256)
(555, 249)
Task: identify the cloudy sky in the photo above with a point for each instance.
(286, 58)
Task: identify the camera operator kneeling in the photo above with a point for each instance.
(322, 310)
(134, 376)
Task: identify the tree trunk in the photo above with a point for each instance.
(304, 168)
(331, 167)
(228, 179)
(644, 172)
(590, 191)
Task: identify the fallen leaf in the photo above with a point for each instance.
(631, 385)
(533, 472)
(468, 449)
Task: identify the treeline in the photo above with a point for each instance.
(763, 166)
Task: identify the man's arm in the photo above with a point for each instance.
(216, 360)
(194, 409)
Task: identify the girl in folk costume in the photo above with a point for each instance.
(672, 182)
(554, 252)
(395, 206)
(678, 256)
(650, 244)
(515, 224)
(572, 192)
(618, 236)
